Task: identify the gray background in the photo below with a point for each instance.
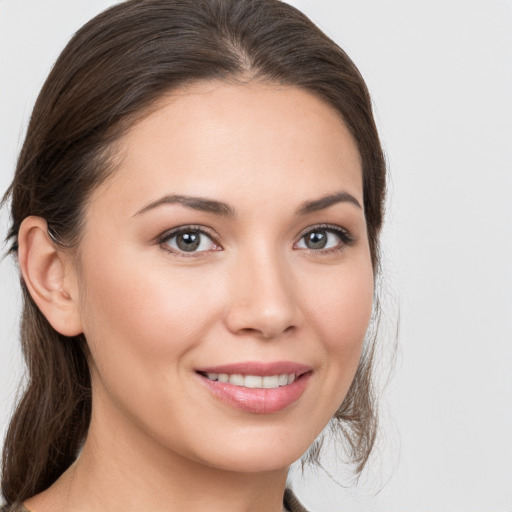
(440, 72)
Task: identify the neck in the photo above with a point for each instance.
(120, 469)
(135, 481)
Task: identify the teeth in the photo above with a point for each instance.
(236, 379)
(283, 379)
(251, 381)
(270, 382)
(254, 381)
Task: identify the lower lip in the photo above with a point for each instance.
(258, 400)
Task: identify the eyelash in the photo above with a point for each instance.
(346, 239)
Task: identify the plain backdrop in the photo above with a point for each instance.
(440, 72)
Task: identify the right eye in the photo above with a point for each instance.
(188, 240)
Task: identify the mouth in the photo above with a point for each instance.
(257, 387)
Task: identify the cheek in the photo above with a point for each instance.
(341, 312)
(142, 328)
(138, 317)
(343, 307)
(127, 297)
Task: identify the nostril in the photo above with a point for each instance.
(267, 333)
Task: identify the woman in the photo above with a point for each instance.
(195, 212)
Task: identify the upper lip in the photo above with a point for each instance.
(258, 368)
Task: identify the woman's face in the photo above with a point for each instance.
(230, 245)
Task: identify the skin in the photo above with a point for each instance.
(159, 439)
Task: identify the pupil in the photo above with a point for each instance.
(188, 241)
(317, 240)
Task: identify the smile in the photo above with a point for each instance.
(257, 387)
(254, 381)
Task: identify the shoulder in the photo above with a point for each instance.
(291, 503)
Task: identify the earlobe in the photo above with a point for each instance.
(49, 279)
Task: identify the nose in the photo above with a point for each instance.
(263, 300)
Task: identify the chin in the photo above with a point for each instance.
(245, 453)
(260, 459)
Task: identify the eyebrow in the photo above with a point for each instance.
(326, 201)
(219, 208)
(196, 203)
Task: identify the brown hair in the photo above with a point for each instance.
(110, 73)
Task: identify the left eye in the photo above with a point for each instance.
(320, 238)
(190, 240)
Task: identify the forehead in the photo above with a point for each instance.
(216, 139)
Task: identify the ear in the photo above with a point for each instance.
(49, 276)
